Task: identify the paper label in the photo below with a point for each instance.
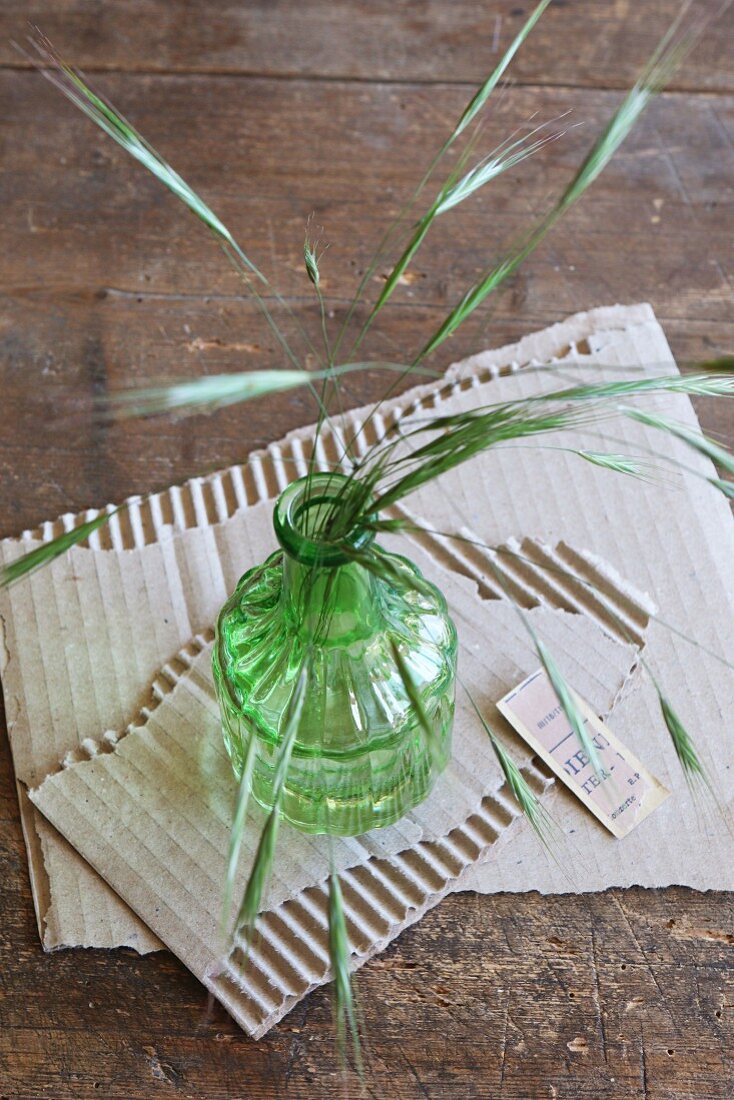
(622, 793)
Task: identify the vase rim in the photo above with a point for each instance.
(288, 514)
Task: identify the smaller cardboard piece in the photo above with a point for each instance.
(151, 812)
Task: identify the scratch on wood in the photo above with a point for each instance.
(412, 1069)
(643, 1065)
(639, 946)
(503, 1052)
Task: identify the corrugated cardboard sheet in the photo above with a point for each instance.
(85, 638)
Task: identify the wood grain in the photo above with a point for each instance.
(103, 280)
(601, 44)
(106, 279)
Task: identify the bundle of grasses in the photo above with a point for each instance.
(335, 660)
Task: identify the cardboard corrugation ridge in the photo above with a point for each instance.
(382, 897)
(201, 502)
(535, 574)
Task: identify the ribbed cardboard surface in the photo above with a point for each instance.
(170, 563)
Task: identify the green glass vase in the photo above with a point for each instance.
(361, 756)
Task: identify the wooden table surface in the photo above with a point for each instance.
(274, 109)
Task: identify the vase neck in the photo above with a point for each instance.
(330, 605)
(328, 595)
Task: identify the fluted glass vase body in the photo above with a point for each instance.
(361, 756)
